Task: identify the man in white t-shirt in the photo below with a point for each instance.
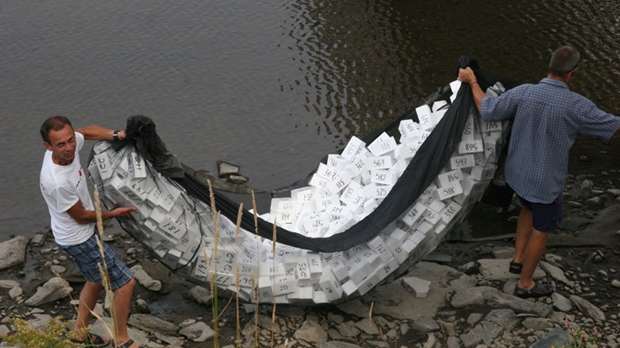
(73, 222)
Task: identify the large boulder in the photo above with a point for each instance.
(54, 289)
(13, 252)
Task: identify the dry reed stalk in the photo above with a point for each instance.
(254, 285)
(214, 301)
(103, 271)
(255, 288)
(238, 228)
(273, 312)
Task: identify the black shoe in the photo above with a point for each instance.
(539, 290)
(515, 267)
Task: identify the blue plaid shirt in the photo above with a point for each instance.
(547, 119)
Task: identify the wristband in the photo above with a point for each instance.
(115, 135)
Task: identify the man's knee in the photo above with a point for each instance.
(127, 287)
(130, 284)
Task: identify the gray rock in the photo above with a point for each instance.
(368, 326)
(103, 325)
(225, 169)
(4, 330)
(58, 269)
(575, 223)
(404, 328)
(587, 184)
(503, 252)
(430, 342)
(348, 329)
(557, 337)
(420, 287)
(473, 318)
(335, 344)
(290, 312)
(594, 202)
(493, 269)
(237, 179)
(39, 239)
(469, 297)
(200, 294)
(553, 259)
(311, 331)
(334, 335)
(13, 252)
(560, 302)
(16, 292)
(357, 308)
(466, 267)
(198, 332)
(575, 204)
(8, 284)
(454, 342)
(615, 283)
(557, 317)
(588, 308)
(438, 257)
(145, 279)
(556, 273)
(498, 299)
(150, 323)
(490, 327)
(447, 328)
(171, 341)
(54, 289)
(395, 301)
(40, 321)
(425, 324)
(509, 286)
(334, 318)
(614, 192)
(537, 323)
(265, 322)
(142, 306)
(464, 282)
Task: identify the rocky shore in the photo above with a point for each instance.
(459, 296)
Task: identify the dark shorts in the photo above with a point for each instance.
(545, 217)
(87, 256)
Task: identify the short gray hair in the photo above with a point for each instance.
(564, 60)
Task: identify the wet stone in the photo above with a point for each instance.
(225, 169)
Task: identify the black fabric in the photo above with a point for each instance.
(424, 167)
(420, 173)
(141, 130)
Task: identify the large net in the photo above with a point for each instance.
(365, 215)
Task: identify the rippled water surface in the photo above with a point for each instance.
(270, 86)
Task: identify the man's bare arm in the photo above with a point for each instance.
(83, 216)
(100, 133)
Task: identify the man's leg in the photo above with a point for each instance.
(88, 299)
(122, 304)
(533, 252)
(524, 230)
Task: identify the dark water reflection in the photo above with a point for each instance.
(270, 86)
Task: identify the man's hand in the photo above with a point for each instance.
(122, 212)
(467, 75)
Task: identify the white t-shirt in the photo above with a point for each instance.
(62, 187)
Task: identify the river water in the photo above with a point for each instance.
(272, 86)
